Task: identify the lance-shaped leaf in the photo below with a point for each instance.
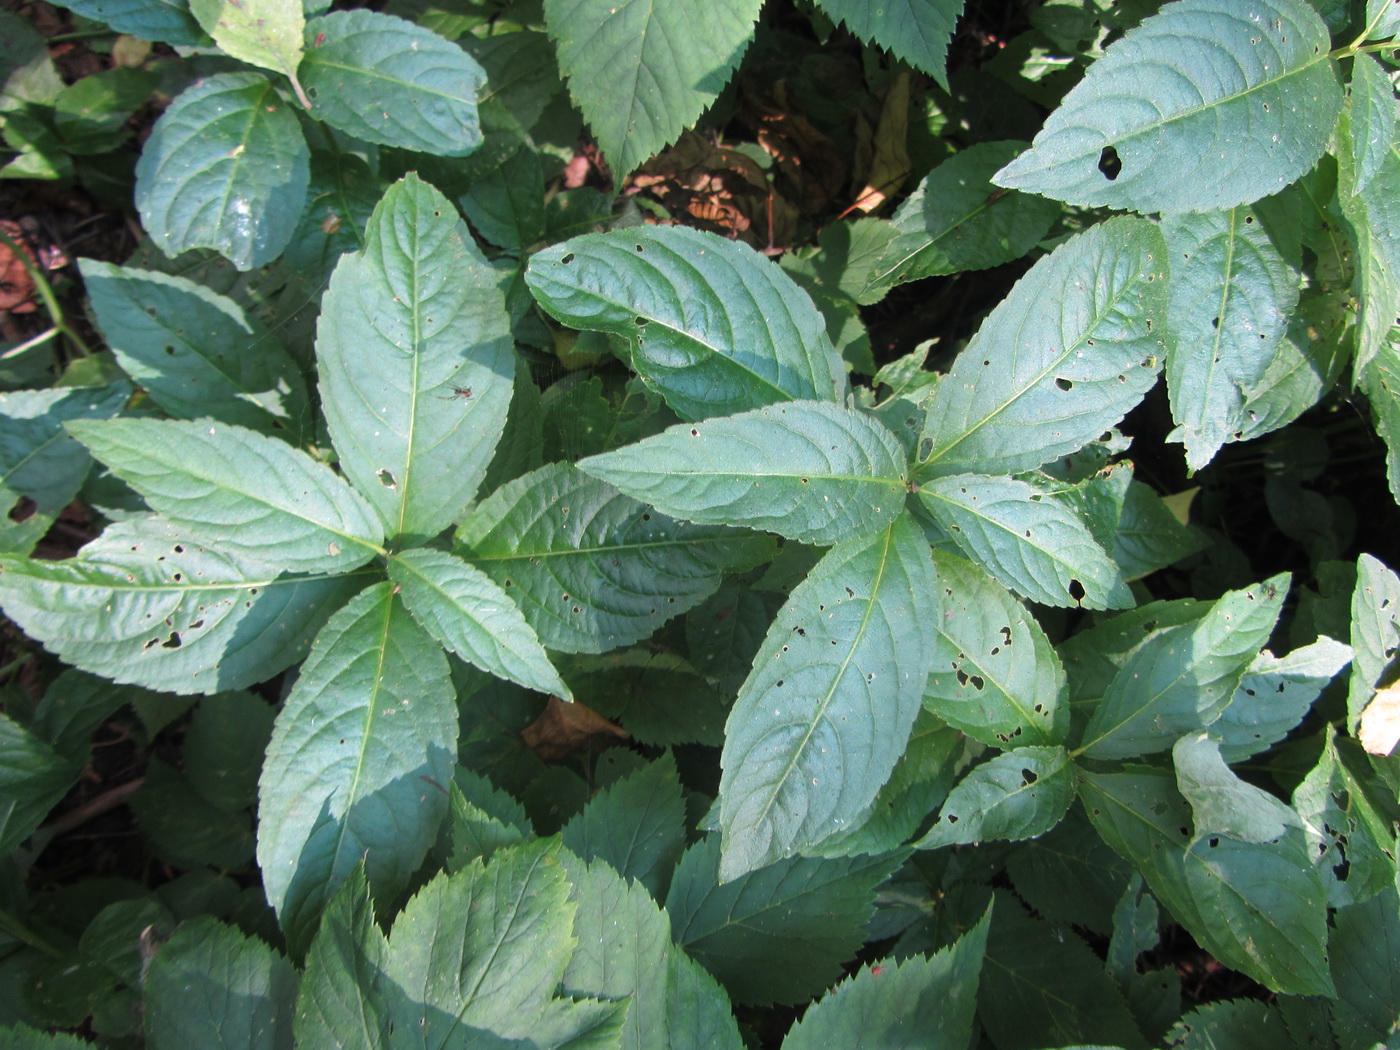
(1019, 795)
(1382, 19)
(1231, 297)
(194, 351)
(641, 71)
(713, 325)
(264, 33)
(1364, 1014)
(957, 220)
(34, 778)
(1372, 206)
(1375, 632)
(1028, 539)
(808, 470)
(1222, 803)
(226, 168)
(147, 605)
(827, 709)
(1074, 346)
(625, 953)
(919, 1001)
(1181, 678)
(209, 985)
(995, 675)
(592, 569)
(778, 934)
(424, 88)
(1373, 118)
(1209, 104)
(1274, 695)
(166, 21)
(368, 730)
(245, 493)
(415, 361)
(462, 608)
(41, 466)
(916, 31)
(1257, 907)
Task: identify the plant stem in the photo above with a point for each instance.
(46, 293)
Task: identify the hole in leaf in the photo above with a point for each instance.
(977, 681)
(386, 478)
(1215, 323)
(1109, 164)
(170, 350)
(23, 509)
(1028, 777)
(173, 642)
(567, 259)
(641, 322)
(1076, 591)
(1063, 384)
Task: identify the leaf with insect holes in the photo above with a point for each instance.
(1019, 795)
(808, 470)
(265, 33)
(827, 710)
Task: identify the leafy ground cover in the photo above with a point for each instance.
(580, 524)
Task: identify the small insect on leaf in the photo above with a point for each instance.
(463, 392)
(320, 39)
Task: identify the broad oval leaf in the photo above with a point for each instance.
(957, 220)
(1231, 297)
(1019, 795)
(1181, 678)
(244, 492)
(385, 80)
(808, 470)
(415, 362)
(146, 605)
(1274, 695)
(713, 325)
(916, 31)
(166, 21)
(1060, 360)
(827, 709)
(592, 569)
(369, 727)
(641, 71)
(1028, 539)
(1373, 118)
(1208, 104)
(226, 168)
(264, 33)
(462, 608)
(778, 934)
(995, 675)
(1257, 907)
(194, 351)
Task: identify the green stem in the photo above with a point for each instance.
(85, 34)
(46, 293)
(20, 932)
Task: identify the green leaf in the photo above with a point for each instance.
(224, 746)
(636, 825)
(148, 605)
(1231, 297)
(1274, 695)
(265, 33)
(462, 608)
(1149, 536)
(778, 934)
(1019, 795)
(1375, 632)
(166, 21)
(481, 820)
(641, 71)
(41, 466)
(507, 203)
(593, 569)
(185, 830)
(247, 494)
(1182, 677)
(1063, 357)
(424, 88)
(1222, 803)
(724, 632)
(921, 1001)
(1349, 822)
(209, 985)
(1028, 539)
(91, 114)
(995, 675)
(1070, 875)
(194, 351)
(1372, 208)
(23, 1037)
(226, 168)
(1382, 19)
(1043, 985)
(625, 952)
(1245, 1024)
(415, 361)
(369, 727)
(658, 697)
(956, 220)
(1206, 105)
(710, 323)
(827, 710)
(33, 779)
(1373, 118)
(916, 31)
(1257, 907)
(808, 470)
(1363, 948)
(1380, 382)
